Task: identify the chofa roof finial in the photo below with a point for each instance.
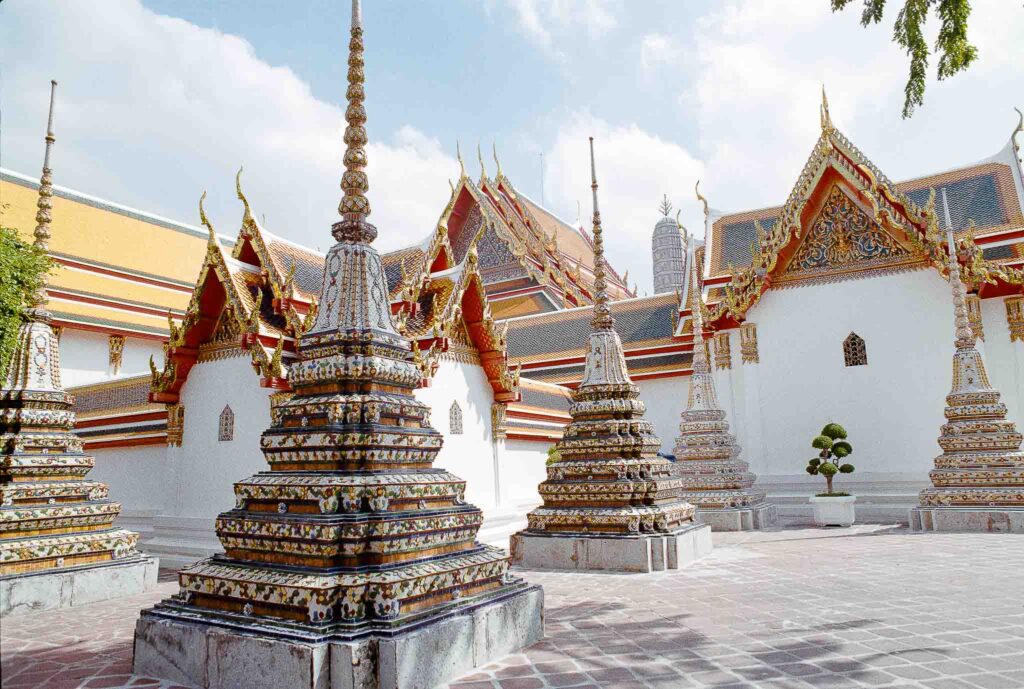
(826, 118)
(462, 165)
(355, 207)
(1017, 130)
(247, 218)
(700, 197)
(480, 157)
(494, 151)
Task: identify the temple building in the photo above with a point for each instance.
(668, 252)
(354, 558)
(59, 546)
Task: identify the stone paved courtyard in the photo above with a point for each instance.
(868, 606)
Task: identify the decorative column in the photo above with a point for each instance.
(498, 434)
(352, 560)
(610, 502)
(714, 478)
(58, 543)
(978, 480)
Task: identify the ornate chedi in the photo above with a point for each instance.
(610, 502)
(978, 480)
(353, 560)
(714, 478)
(58, 545)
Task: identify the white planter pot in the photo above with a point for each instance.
(834, 511)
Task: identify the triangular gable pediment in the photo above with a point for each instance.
(842, 239)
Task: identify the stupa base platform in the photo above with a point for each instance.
(224, 652)
(978, 519)
(609, 553)
(72, 586)
(740, 518)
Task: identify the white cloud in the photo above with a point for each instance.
(657, 50)
(634, 169)
(549, 22)
(152, 109)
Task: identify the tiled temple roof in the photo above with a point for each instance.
(639, 322)
(113, 396)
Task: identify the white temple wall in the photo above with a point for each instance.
(137, 479)
(892, 408)
(1004, 360)
(85, 357)
(522, 470)
(664, 400)
(202, 472)
(468, 455)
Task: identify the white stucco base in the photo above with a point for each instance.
(25, 593)
(212, 657)
(640, 553)
(994, 520)
(760, 517)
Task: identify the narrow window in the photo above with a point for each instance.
(854, 351)
(226, 430)
(455, 419)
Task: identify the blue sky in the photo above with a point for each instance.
(160, 99)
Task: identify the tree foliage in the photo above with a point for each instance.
(22, 267)
(956, 53)
(833, 445)
(553, 455)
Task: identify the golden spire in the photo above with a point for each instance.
(704, 201)
(480, 157)
(602, 319)
(964, 335)
(494, 151)
(826, 118)
(355, 207)
(44, 205)
(700, 354)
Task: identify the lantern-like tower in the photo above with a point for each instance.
(610, 502)
(353, 560)
(715, 479)
(58, 544)
(668, 251)
(978, 480)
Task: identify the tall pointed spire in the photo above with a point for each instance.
(714, 477)
(602, 319)
(37, 301)
(53, 521)
(355, 207)
(609, 491)
(977, 481)
(353, 530)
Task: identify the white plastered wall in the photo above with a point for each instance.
(85, 357)
(136, 477)
(664, 399)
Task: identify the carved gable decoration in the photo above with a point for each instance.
(844, 239)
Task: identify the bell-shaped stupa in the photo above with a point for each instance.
(353, 560)
(58, 543)
(610, 501)
(978, 480)
(714, 477)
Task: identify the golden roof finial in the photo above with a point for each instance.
(826, 118)
(700, 197)
(480, 157)
(494, 151)
(206, 221)
(602, 319)
(44, 205)
(355, 207)
(247, 216)
(462, 165)
(1017, 130)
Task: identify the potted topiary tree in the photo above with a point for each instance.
(831, 508)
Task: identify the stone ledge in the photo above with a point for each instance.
(213, 657)
(739, 519)
(976, 519)
(49, 590)
(635, 553)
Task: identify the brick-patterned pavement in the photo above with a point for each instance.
(862, 607)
